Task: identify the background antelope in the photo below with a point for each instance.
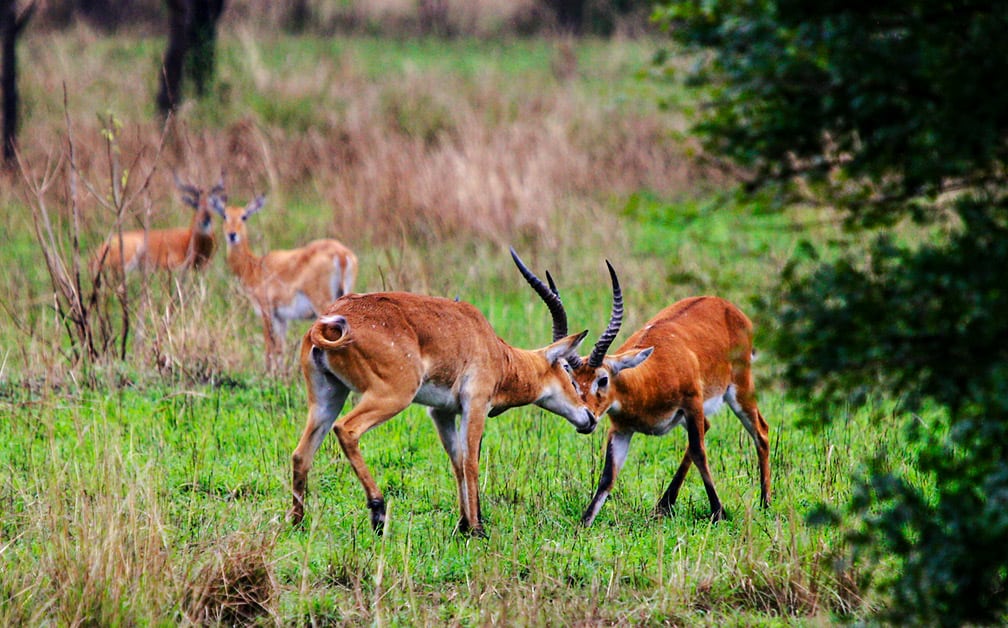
(678, 369)
(396, 348)
(167, 249)
(284, 285)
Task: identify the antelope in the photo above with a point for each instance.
(397, 348)
(165, 249)
(677, 370)
(284, 285)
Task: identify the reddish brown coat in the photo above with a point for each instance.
(397, 348)
(700, 354)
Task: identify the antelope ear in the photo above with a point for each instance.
(254, 205)
(217, 204)
(565, 348)
(628, 360)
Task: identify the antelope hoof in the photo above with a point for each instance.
(478, 533)
(295, 515)
(377, 507)
(466, 529)
(717, 515)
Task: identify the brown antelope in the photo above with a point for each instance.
(677, 370)
(284, 285)
(396, 348)
(166, 249)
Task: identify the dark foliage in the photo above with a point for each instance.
(595, 17)
(897, 96)
(923, 323)
(887, 111)
(926, 322)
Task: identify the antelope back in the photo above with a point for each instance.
(690, 347)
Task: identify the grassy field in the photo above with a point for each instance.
(151, 489)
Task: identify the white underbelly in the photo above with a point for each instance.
(665, 425)
(712, 405)
(435, 396)
(299, 308)
(678, 418)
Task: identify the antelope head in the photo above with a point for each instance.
(592, 377)
(195, 198)
(235, 217)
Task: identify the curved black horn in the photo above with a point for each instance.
(548, 294)
(615, 320)
(552, 285)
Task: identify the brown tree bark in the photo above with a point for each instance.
(11, 25)
(192, 40)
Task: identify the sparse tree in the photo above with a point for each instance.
(569, 15)
(192, 41)
(596, 17)
(12, 23)
(298, 16)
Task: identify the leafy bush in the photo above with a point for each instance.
(886, 112)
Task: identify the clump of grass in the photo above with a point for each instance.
(92, 527)
(237, 584)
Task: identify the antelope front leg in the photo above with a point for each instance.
(696, 428)
(668, 499)
(617, 446)
(268, 335)
(472, 428)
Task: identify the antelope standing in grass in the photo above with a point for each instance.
(284, 285)
(677, 370)
(165, 249)
(396, 348)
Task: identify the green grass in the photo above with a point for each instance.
(196, 466)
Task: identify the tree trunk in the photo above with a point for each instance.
(192, 40)
(178, 45)
(298, 16)
(204, 42)
(105, 14)
(11, 25)
(569, 15)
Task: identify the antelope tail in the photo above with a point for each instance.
(330, 333)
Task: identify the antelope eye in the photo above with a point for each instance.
(567, 368)
(603, 381)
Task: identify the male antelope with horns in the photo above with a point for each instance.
(677, 370)
(396, 348)
(165, 249)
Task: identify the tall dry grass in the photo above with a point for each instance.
(389, 18)
(485, 156)
(397, 163)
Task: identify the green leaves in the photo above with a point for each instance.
(881, 111)
(885, 95)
